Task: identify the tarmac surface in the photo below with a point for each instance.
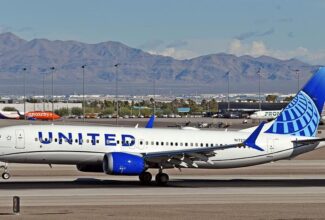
(282, 190)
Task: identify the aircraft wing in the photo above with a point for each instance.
(186, 158)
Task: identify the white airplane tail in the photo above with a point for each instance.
(302, 115)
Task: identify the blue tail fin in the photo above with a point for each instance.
(302, 115)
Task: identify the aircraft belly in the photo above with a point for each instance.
(225, 160)
(54, 157)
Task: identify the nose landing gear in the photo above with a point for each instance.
(5, 175)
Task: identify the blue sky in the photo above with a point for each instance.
(179, 28)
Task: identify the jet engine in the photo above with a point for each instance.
(118, 163)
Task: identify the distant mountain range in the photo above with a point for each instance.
(204, 74)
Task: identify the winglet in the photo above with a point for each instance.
(250, 141)
(151, 122)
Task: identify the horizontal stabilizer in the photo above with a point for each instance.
(251, 140)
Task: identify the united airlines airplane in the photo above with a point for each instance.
(132, 151)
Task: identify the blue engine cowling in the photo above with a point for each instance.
(118, 163)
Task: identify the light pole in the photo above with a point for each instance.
(43, 92)
(228, 89)
(24, 69)
(298, 79)
(154, 94)
(259, 88)
(83, 91)
(52, 69)
(116, 90)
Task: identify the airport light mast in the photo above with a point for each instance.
(83, 91)
(43, 91)
(116, 90)
(259, 89)
(24, 70)
(298, 79)
(228, 88)
(52, 70)
(154, 94)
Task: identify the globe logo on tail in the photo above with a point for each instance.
(299, 118)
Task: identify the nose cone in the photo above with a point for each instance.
(55, 116)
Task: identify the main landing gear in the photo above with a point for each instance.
(5, 175)
(161, 178)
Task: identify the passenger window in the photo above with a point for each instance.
(141, 142)
(87, 140)
(152, 143)
(192, 144)
(176, 144)
(166, 143)
(162, 143)
(157, 143)
(171, 143)
(181, 144)
(185, 144)
(201, 144)
(211, 145)
(207, 145)
(36, 139)
(45, 139)
(97, 141)
(147, 143)
(196, 144)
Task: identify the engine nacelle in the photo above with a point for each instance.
(94, 168)
(118, 163)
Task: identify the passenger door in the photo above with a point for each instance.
(20, 139)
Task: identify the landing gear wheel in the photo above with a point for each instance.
(5, 175)
(162, 179)
(145, 178)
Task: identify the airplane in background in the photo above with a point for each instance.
(42, 115)
(132, 151)
(10, 115)
(265, 115)
(34, 115)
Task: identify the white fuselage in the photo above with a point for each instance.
(265, 115)
(88, 144)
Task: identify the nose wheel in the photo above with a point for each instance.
(5, 175)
